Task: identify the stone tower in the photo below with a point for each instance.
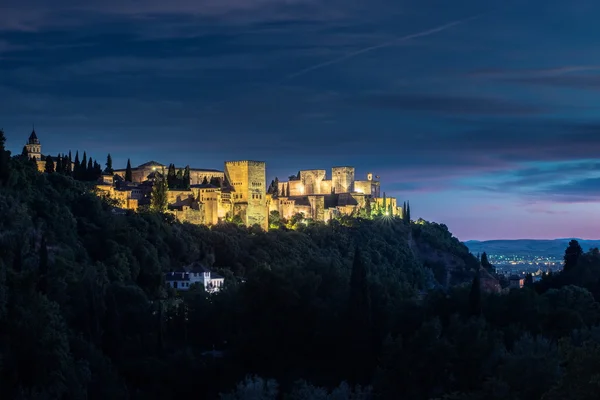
(248, 181)
(342, 179)
(33, 146)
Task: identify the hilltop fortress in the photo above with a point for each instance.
(240, 192)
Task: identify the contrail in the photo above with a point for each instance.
(379, 46)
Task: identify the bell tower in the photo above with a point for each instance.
(33, 146)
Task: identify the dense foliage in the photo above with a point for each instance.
(333, 311)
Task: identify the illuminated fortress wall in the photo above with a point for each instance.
(343, 179)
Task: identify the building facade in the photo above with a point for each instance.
(240, 192)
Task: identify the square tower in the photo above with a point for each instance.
(248, 181)
(342, 179)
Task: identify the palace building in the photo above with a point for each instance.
(240, 192)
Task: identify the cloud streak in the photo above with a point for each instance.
(390, 43)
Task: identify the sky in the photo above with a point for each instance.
(484, 115)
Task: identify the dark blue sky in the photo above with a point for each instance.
(482, 114)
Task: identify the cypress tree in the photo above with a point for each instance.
(89, 172)
(179, 181)
(528, 280)
(171, 176)
(404, 211)
(128, 172)
(186, 177)
(77, 167)
(205, 181)
(359, 319)
(408, 218)
(215, 181)
(109, 165)
(390, 210)
(159, 199)
(25, 153)
(49, 167)
(368, 209)
(572, 255)
(68, 165)
(288, 190)
(4, 160)
(283, 190)
(384, 206)
(59, 164)
(475, 296)
(43, 266)
(97, 170)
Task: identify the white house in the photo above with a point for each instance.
(195, 273)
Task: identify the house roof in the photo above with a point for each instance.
(150, 164)
(176, 276)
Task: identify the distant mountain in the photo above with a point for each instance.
(555, 247)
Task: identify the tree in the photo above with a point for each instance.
(159, 199)
(215, 181)
(49, 167)
(25, 153)
(360, 319)
(408, 218)
(77, 166)
(475, 296)
(572, 255)
(359, 289)
(283, 190)
(528, 280)
(486, 264)
(179, 179)
(368, 209)
(97, 171)
(288, 190)
(43, 266)
(109, 165)
(4, 159)
(128, 172)
(172, 176)
(205, 181)
(59, 164)
(186, 177)
(68, 165)
(90, 170)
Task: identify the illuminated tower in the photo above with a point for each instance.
(342, 179)
(248, 181)
(33, 146)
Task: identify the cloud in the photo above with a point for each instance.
(572, 76)
(579, 191)
(41, 14)
(533, 72)
(451, 105)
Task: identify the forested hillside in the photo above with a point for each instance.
(322, 312)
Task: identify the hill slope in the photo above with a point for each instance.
(82, 292)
